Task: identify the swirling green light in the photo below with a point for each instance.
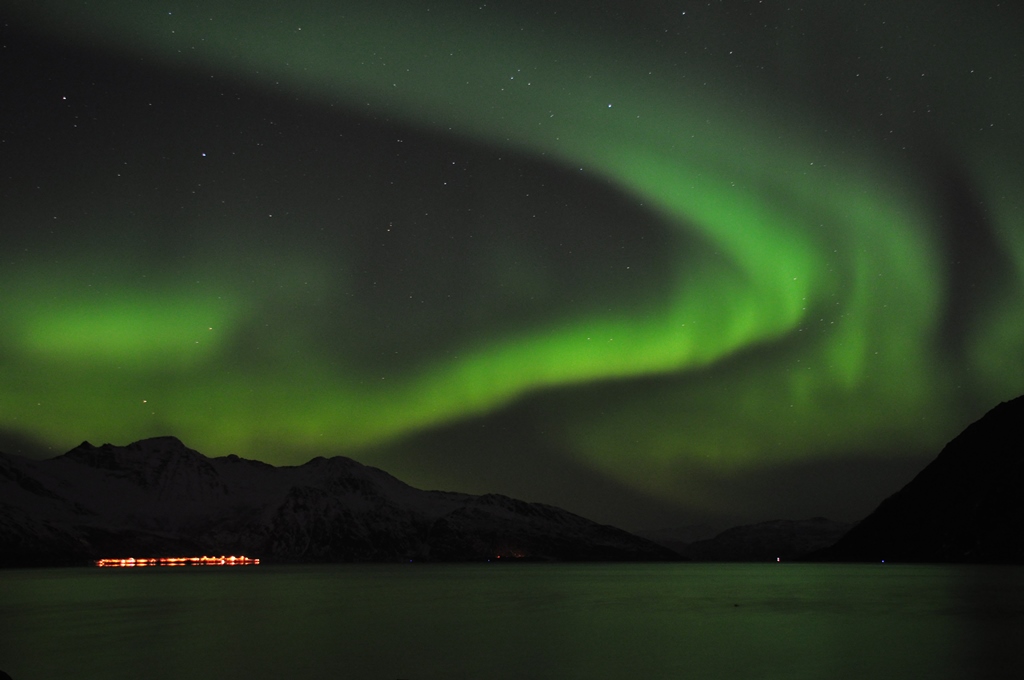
(819, 254)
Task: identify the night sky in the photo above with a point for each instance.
(657, 262)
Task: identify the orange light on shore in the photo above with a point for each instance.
(203, 561)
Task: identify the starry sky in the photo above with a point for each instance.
(658, 262)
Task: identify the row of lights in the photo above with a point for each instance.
(203, 561)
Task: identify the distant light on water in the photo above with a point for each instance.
(204, 561)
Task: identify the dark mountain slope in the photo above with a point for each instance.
(965, 506)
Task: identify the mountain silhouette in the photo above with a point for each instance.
(769, 541)
(966, 506)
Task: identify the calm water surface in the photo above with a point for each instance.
(514, 621)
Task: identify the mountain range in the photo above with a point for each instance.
(158, 498)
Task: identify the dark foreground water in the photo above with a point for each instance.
(514, 621)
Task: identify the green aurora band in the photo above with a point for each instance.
(804, 315)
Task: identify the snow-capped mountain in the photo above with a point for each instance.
(156, 497)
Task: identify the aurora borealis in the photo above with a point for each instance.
(651, 261)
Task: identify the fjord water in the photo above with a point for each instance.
(499, 621)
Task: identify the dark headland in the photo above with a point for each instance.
(966, 506)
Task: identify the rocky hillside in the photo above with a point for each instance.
(157, 497)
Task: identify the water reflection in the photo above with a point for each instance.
(515, 621)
